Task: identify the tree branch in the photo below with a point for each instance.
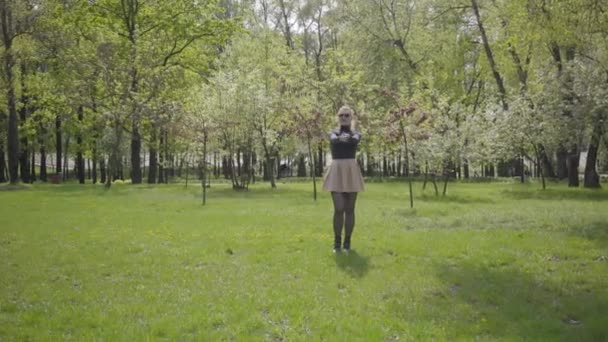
(449, 9)
(175, 51)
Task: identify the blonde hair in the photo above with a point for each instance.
(347, 109)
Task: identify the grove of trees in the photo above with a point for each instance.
(146, 90)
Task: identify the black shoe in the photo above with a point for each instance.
(346, 246)
(337, 243)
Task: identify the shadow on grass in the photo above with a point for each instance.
(594, 231)
(14, 187)
(353, 263)
(453, 199)
(258, 191)
(557, 194)
(123, 189)
(74, 190)
(501, 302)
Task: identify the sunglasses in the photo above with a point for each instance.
(343, 115)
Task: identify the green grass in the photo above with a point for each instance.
(489, 261)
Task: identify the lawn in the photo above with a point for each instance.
(496, 261)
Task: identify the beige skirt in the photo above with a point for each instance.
(344, 175)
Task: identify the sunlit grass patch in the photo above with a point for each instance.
(488, 261)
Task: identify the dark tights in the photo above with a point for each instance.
(344, 213)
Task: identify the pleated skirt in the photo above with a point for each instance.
(343, 175)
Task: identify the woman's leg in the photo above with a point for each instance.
(339, 208)
(349, 213)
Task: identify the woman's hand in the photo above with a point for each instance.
(344, 137)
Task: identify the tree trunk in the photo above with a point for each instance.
(226, 167)
(204, 167)
(3, 177)
(312, 166)
(115, 158)
(384, 164)
(161, 158)
(269, 164)
(167, 156)
(568, 157)
(153, 166)
(180, 166)
(426, 176)
(252, 162)
(521, 169)
(239, 171)
(488, 170)
(546, 162)
(79, 155)
(42, 142)
(370, 166)
(409, 182)
(33, 168)
(562, 163)
(539, 163)
(277, 165)
(24, 160)
(233, 172)
(115, 165)
(153, 159)
(65, 159)
(406, 164)
(573, 163)
(187, 171)
(270, 168)
(265, 168)
(58, 144)
(486, 45)
(562, 154)
(135, 153)
(123, 165)
(143, 167)
(542, 178)
(43, 172)
(121, 169)
(301, 166)
(592, 178)
(102, 170)
(287, 26)
(170, 169)
(246, 176)
(216, 169)
(320, 161)
(94, 173)
(130, 19)
(399, 164)
(13, 126)
(504, 168)
(112, 170)
(434, 180)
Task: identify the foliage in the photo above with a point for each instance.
(146, 67)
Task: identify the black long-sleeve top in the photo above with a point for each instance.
(344, 149)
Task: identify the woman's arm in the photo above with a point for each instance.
(355, 138)
(334, 137)
(352, 138)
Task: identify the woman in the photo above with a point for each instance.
(343, 179)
